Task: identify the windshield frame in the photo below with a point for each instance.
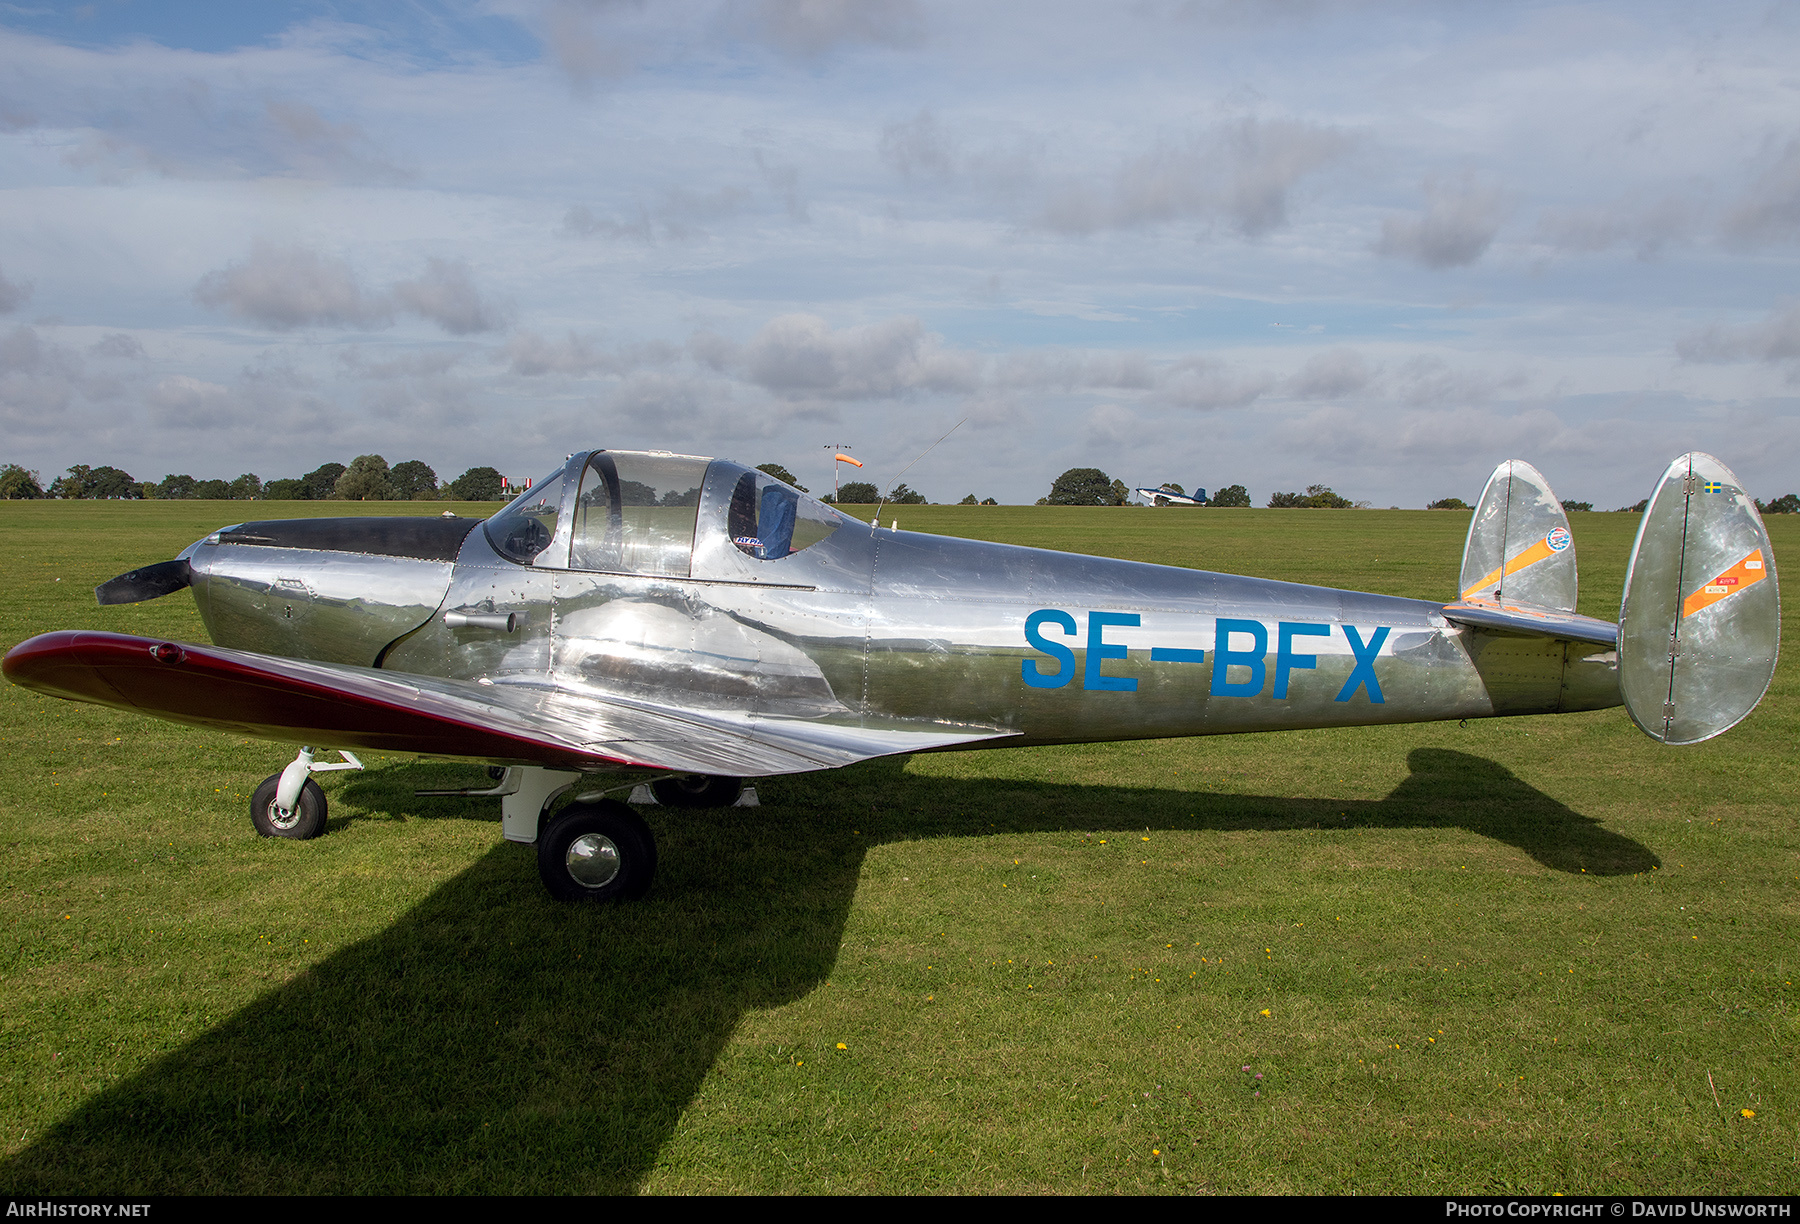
(555, 554)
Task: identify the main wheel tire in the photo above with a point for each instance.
(697, 791)
(307, 820)
(597, 852)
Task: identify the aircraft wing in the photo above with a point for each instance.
(333, 705)
(1530, 620)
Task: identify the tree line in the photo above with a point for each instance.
(365, 478)
(1093, 487)
(369, 478)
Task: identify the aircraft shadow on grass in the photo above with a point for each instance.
(493, 1040)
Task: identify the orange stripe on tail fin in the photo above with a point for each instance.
(1531, 556)
(1746, 572)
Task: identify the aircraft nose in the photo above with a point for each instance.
(335, 589)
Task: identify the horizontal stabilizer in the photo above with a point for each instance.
(339, 706)
(1700, 624)
(1527, 621)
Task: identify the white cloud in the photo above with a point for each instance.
(783, 178)
(1467, 439)
(118, 346)
(918, 148)
(1776, 338)
(287, 287)
(1429, 381)
(24, 351)
(799, 356)
(445, 293)
(1460, 221)
(808, 29)
(653, 398)
(714, 351)
(530, 355)
(679, 214)
(1770, 210)
(1646, 230)
(47, 391)
(1202, 383)
(1241, 172)
(577, 36)
(303, 141)
(580, 222)
(1112, 426)
(407, 363)
(425, 404)
(1331, 375)
(172, 116)
(12, 296)
(192, 403)
(1071, 369)
(284, 287)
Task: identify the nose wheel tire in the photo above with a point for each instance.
(697, 791)
(597, 852)
(305, 821)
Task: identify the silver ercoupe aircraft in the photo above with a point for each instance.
(691, 622)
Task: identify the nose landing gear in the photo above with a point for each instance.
(301, 819)
(290, 803)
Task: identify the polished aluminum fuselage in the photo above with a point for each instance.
(874, 627)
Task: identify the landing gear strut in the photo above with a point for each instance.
(290, 803)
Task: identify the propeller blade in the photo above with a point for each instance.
(150, 582)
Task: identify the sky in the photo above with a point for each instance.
(1375, 246)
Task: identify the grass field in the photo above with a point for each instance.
(1531, 955)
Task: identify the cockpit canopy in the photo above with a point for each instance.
(638, 512)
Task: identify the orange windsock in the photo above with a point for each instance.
(848, 459)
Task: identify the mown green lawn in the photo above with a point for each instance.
(1526, 955)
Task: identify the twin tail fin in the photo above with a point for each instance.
(1700, 622)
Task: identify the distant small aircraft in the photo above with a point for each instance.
(650, 617)
(1166, 496)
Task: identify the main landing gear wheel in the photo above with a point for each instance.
(597, 852)
(306, 820)
(697, 791)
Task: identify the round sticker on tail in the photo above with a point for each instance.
(1558, 539)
